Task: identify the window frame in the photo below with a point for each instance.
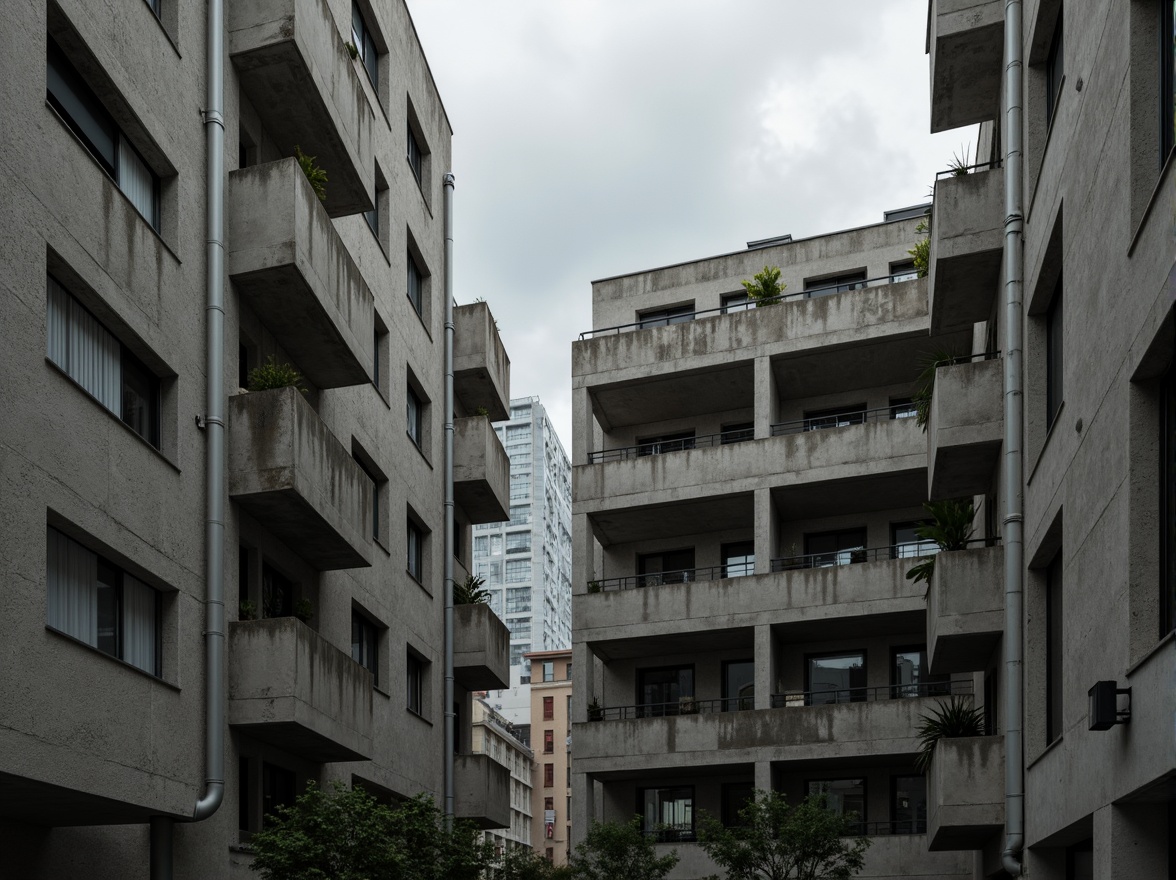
(414, 694)
(1054, 649)
(855, 693)
(863, 820)
(1054, 355)
(665, 316)
(415, 551)
(369, 641)
(365, 44)
(1167, 511)
(663, 832)
(414, 416)
(549, 708)
(414, 154)
(1055, 70)
(415, 286)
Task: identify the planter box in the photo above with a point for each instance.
(965, 793)
(481, 471)
(965, 609)
(481, 649)
(967, 244)
(965, 429)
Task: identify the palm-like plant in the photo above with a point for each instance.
(921, 252)
(925, 383)
(764, 288)
(950, 527)
(471, 591)
(955, 718)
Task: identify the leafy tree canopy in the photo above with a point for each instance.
(619, 851)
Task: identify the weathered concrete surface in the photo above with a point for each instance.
(481, 791)
(291, 473)
(965, 39)
(967, 240)
(481, 368)
(289, 687)
(481, 648)
(965, 609)
(965, 792)
(837, 731)
(481, 471)
(965, 429)
(295, 69)
(288, 262)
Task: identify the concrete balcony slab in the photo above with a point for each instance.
(295, 70)
(289, 472)
(965, 609)
(481, 791)
(965, 793)
(481, 649)
(289, 264)
(481, 471)
(290, 687)
(967, 244)
(965, 429)
(965, 39)
(481, 368)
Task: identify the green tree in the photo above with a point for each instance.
(765, 288)
(345, 834)
(775, 841)
(522, 863)
(619, 851)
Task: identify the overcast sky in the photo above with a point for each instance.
(598, 137)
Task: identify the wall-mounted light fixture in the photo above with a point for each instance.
(1104, 705)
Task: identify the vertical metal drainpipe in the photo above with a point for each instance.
(450, 717)
(1014, 422)
(214, 425)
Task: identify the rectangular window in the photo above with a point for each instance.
(278, 789)
(548, 775)
(415, 544)
(839, 547)
(548, 741)
(364, 644)
(277, 593)
(905, 542)
(908, 805)
(96, 602)
(910, 674)
(375, 499)
(736, 796)
(414, 285)
(903, 271)
(361, 37)
(667, 814)
(738, 559)
(738, 685)
(549, 708)
(518, 542)
(737, 433)
(1167, 79)
(837, 284)
(90, 355)
(903, 408)
(663, 691)
(549, 670)
(662, 317)
(1055, 70)
(1053, 650)
(1054, 360)
(836, 678)
(666, 443)
(518, 571)
(837, 417)
(414, 411)
(668, 567)
(1168, 501)
(88, 118)
(845, 797)
(737, 302)
(415, 684)
(414, 154)
(373, 216)
(520, 514)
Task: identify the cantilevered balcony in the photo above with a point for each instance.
(481, 368)
(857, 723)
(965, 792)
(481, 471)
(965, 609)
(291, 268)
(481, 791)
(295, 69)
(965, 39)
(967, 241)
(297, 480)
(291, 688)
(965, 428)
(481, 648)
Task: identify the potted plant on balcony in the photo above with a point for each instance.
(272, 375)
(471, 591)
(925, 383)
(921, 252)
(594, 586)
(247, 610)
(303, 609)
(595, 712)
(314, 173)
(950, 528)
(764, 288)
(687, 705)
(955, 718)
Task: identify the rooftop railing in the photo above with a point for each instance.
(659, 447)
(842, 419)
(686, 317)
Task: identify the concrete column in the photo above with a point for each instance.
(587, 683)
(583, 426)
(1131, 841)
(767, 531)
(583, 804)
(583, 554)
(764, 666)
(763, 775)
(766, 405)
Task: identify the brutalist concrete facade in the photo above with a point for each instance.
(1099, 294)
(327, 490)
(744, 480)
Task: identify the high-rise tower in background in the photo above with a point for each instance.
(527, 561)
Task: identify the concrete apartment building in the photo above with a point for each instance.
(551, 735)
(746, 483)
(333, 519)
(494, 735)
(743, 480)
(527, 561)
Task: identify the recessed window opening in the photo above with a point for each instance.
(361, 36)
(1055, 71)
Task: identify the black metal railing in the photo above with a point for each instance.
(660, 447)
(687, 317)
(913, 551)
(681, 576)
(961, 170)
(684, 706)
(669, 834)
(845, 418)
(829, 696)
